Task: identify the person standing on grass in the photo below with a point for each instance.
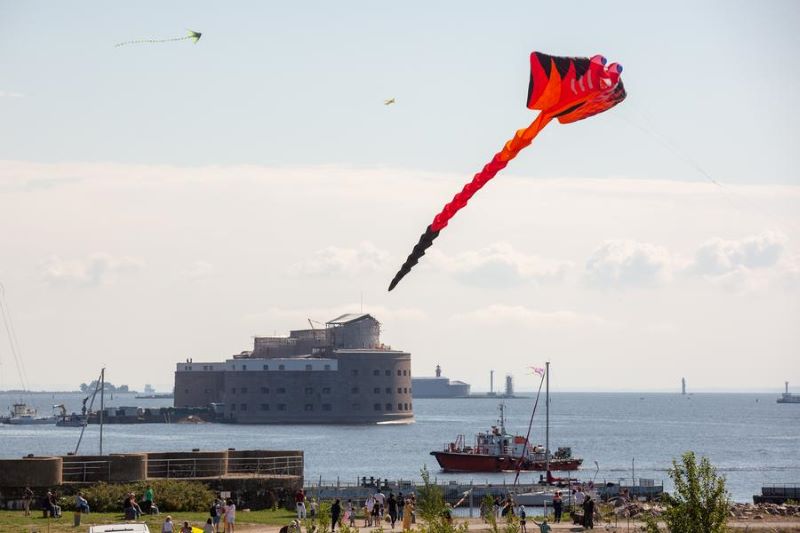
(215, 513)
(186, 528)
(230, 515)
(408, 513)
(300, 504)
(336, 512)
(351, 513)
(167, 526)
(391, 503)
(558, 506)
(588, 512)
(27, 498)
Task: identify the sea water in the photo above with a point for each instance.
(750, 439)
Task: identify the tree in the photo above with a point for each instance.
(700, 502)
(433, 509)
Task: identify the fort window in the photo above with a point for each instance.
(326, 390)
(355, 407)
(281, 390)
(309, 390)
(376, 390)
(309, 407)
(265, 407)
(405, 407)
(233, 407)
(243, 407)
(377, 407)
(404, 372)
(281, 407)
(308, 367)
(265, 390)
(354, 390)
(355, 372)
(244, 367)
(281, 367)
(376, 372)
(405, 390)
(399, 373)
(388, 407)
(326, 407)
(399, 406)
(244, 390)
(266, 367)
(399, 390)
(388, 390)
(388, 372)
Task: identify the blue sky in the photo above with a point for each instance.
(286, 84)
(170, 201)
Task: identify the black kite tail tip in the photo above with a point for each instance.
(425, 242)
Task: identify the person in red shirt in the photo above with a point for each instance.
(300, 504)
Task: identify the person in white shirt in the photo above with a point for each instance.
(167, 526)
(230, 515)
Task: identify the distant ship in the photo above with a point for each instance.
(151, 394)
(24, 415)
(788, 397)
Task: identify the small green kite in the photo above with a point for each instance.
(193, 35)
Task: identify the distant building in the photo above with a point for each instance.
(341, 373)
(439, 387)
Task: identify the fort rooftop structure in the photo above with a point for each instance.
(339, 374)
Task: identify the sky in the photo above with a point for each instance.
(159, 202)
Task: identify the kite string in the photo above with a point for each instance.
(528, 434)
(522, 138)
(735, 200)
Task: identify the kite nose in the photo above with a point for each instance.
(614, 71)
(599, 59)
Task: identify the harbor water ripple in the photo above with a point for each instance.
(750, 438)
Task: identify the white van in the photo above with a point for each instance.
(120, 528)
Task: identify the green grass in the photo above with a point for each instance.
(16, 522)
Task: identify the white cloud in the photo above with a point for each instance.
(334, 261)
(498, 314)
(293, 318)
(620, 263)
(92, 271)
(11, 94)
(499, 265)
(718, 256)
(198, 270)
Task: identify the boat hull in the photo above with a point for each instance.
(473, 462)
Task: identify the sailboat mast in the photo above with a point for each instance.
(102, 405)
(547, 421)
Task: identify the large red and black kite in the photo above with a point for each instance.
(566, 88)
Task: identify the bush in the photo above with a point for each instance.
(700, 501)
(170, 495)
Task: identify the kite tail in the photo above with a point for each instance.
(521, 139)
(153, 41)
(425, 242)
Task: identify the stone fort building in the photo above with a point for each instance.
(341, 373)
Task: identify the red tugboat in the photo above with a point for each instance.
(496, 450)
